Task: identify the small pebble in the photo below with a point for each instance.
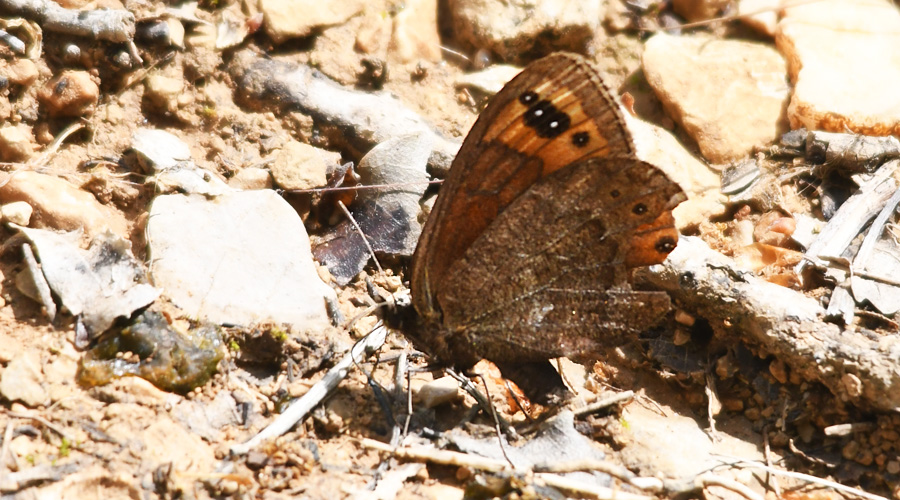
(16, 144)
(17, 212)
(681, 337)
(71, 53)
(684, 318)
(301, 166)
(20, 72)
(865, 457)
(257, 460)
(438, 392)
(123, 59)
(71, 93)
(229, 487)
(731, 404)
(779, 371)
(850, 450)
(153, 32)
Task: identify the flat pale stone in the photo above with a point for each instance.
(844, 59)
(512, 29)
(159, 150)
(166, 441)
(728, 95)
(135, 390)
(240, 258)
(701, 184)
(60, 205)
(99, 285)
(92, 481)
(285, 19)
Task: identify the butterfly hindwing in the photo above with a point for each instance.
(560, 247)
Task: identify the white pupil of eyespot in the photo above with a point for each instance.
(538, 112)
(553, 124)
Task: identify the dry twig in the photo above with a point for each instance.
(101, 24)
(622, 397)
(784, 322)
(46, 423)
(368, 118)
(741, 463)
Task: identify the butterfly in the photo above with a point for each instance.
(528, 252)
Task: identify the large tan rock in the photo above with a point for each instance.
(286, 19)
(60, 205)
(415, 34)
(728, 95)
(844, 59)
(512, 29)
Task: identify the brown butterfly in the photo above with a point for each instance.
(527, 254)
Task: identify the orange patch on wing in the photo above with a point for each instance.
(511, 130)
(651, 243)
(563, 151)
(506, 123)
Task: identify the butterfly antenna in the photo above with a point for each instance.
(496, 420)
(409, 404)
(500, 424)
(367, 311)
(363, 235)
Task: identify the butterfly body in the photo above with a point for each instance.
(528, 252)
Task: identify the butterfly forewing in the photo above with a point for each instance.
(555, 113)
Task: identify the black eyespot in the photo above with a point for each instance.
(546, 120)
(639, 209)
(615, 193)
(528, 97)
(665, 244)
(580, 139)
